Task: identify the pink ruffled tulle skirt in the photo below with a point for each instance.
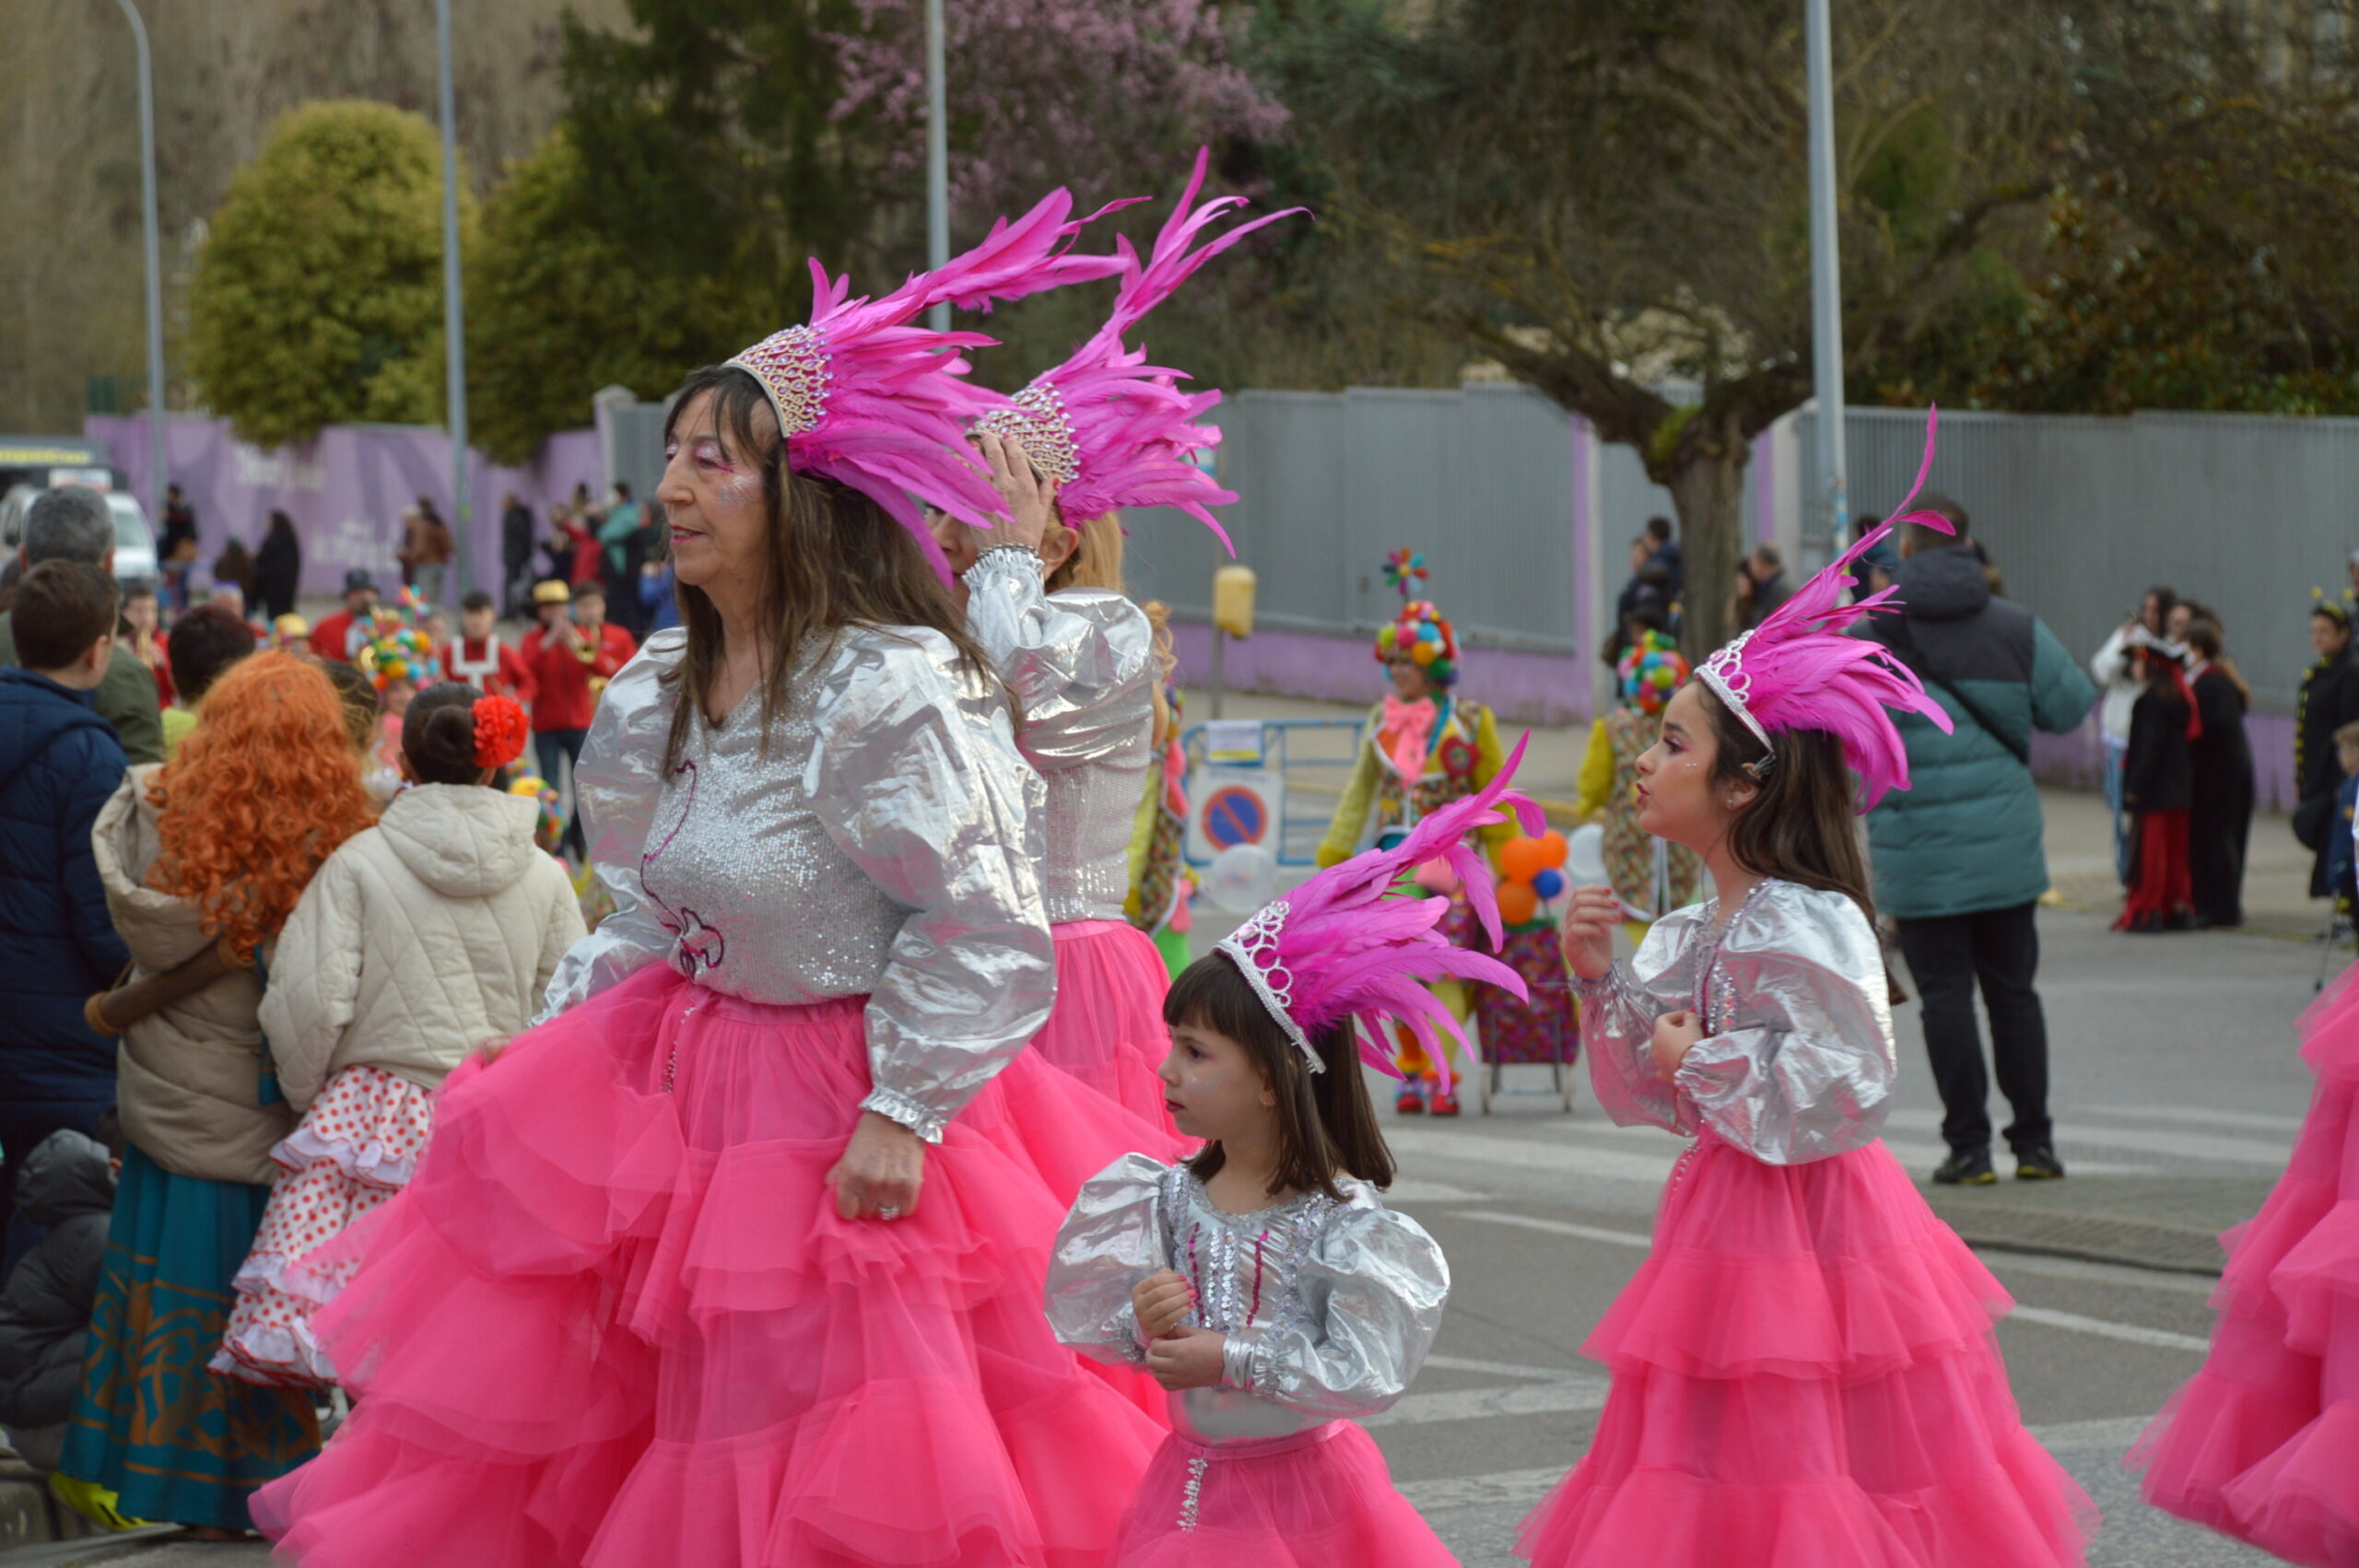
(357, 1145)
(610, 1325)
(1805, 1377)
(1106, 1028)
(1319, 1499)
(2263, 1442)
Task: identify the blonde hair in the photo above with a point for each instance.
(1167, 660)
(1096, 559)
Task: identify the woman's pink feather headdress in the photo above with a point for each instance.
(1800, 669)
(1108, 428)
(1349, 944)
(868, 399)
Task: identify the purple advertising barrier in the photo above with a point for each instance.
(346, 489)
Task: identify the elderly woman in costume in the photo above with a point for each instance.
(203, 859)
(738, 1257)
(1043, 594)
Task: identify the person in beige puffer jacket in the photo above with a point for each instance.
(422, 939)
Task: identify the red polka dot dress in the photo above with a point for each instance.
(356, 1148)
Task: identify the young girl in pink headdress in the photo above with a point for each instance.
(1263, 1283)
(1804, 1371)
(1043, 594)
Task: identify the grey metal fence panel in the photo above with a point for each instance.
(636, 455)
(2247, 513)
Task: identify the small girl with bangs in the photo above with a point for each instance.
(1262, 1283)
(421, 939)
(1804, 1371)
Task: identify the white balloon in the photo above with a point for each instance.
(1241, 878)
(1585, 856)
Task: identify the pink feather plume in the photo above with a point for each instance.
(1359, 947)
(1134, 432)
(1805, 671)
(896, 403)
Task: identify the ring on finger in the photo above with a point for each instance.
(888, 1211)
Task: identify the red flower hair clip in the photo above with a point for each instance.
(500, 732)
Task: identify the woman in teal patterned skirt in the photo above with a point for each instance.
(204, 856)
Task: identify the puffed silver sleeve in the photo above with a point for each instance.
(1370, 1298)
(615, 784)
(915, 777)
(1081, 661)
(1618, 1013)
(1111, 1240)
(1808, 1074)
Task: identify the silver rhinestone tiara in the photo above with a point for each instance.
(792, 365)
(1038, 424)
(1724, 672)
(1254, 946)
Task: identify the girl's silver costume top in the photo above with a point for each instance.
(1796, 1063)
(1082, 662)
(882, 838)
(1328, 1308)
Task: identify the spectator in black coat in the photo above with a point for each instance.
(67, 1187)
(278, 568)
(2218, 825)
(59, 764)
(2329, 700)
(1666, 554)
(515, 555)
(2158, 789)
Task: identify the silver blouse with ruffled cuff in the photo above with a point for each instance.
(1327, 1308)
(1082, 662)
(885, 843)
(1797, 1060)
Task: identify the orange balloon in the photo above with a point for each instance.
(1520, 859)
(1552, 850)
(1518, 902)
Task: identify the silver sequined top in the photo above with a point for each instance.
(1082, 661)
(887, 846)
(1329, 1308)
(1797, 1060)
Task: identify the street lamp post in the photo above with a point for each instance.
(454, 312)
(157, 478)
(937, 156)
(1833, 502)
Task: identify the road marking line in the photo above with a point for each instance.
(1408, 1189)
(2208, 1148)
(1510, 1369)
(1530, 1154)
(1561, 1228)
(2127, 1333)
(2182, 1116)
(1482, 1404)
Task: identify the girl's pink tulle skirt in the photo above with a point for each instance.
(1804, 1376)
(1106, 1028)
(1319, 1499)
(610, 1325)
(2263, 1442)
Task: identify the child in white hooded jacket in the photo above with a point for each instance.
(418, 940)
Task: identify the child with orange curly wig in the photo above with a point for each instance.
(421, 939)
(205, 855)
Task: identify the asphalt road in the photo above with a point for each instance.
(2174, 1062)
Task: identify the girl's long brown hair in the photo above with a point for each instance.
(1803, 825)
(258, 795)
(1326, 1126)
(834, 560)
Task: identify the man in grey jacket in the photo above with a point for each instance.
(1959, 860)
(72, 523)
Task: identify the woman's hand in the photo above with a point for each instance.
(881, 1169)
(1588, 931)
(1675, 1035)
(1188, 1359)
(1031, 501)
(1159, 1302)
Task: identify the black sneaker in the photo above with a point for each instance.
(1966, 1167)
(2038, 1162)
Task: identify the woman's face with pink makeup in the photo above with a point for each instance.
(714, 504)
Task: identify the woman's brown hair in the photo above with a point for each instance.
(1802, 827)
(438, 735)
(834, 560)
(2204, 635)
(1326, 1125)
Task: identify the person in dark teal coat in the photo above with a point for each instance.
(1958, 856)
